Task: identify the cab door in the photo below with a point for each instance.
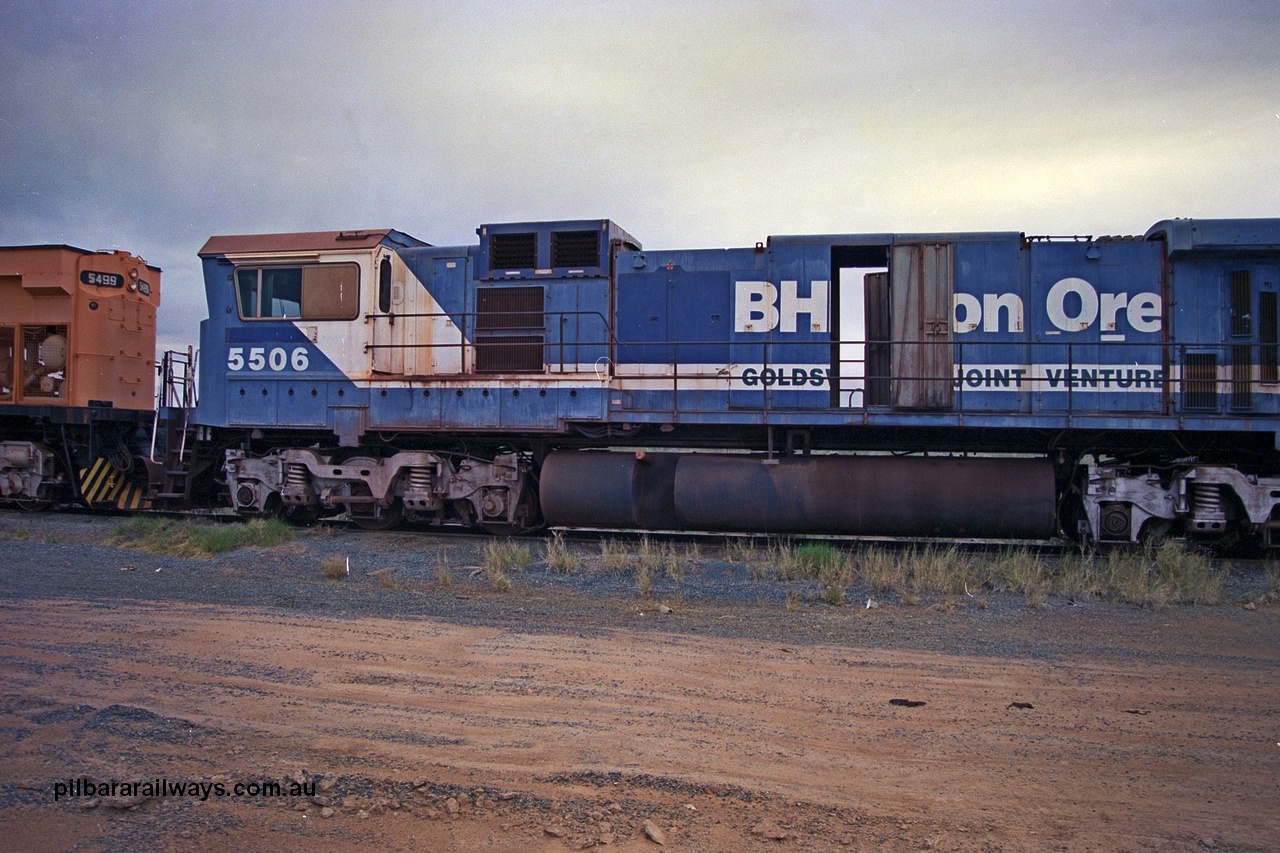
(387, 352)
(923, 363)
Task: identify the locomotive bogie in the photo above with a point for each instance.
(422, 486)
(28, 472)
(1204, 502)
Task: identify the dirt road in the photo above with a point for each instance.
(707, 728)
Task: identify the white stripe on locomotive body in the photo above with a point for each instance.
(333, 339)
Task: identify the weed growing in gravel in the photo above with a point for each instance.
(1077, 576)
(500, 555)
(813, 560)
(1024, 572)
(1170, 573)
(650, 555)
(386, 579)
(443, 576)
(878, 568)
(560, 560)
(190, 539)
(647, 561)
(740, 551)
(678, 559)
(655, 559)
(506, 554)
(615, 555)
(335, 567)
(497, 578)
(778, 557)
(1273, 581)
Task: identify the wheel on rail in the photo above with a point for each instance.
(300, 516)
(495, 528)
(527, 518)
(384, 518)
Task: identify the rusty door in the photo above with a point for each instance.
(922, 359)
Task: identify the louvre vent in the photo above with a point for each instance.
(575, 248)
(1241, 377)
(509, 329)
(508, 308)
(509, 354)
(1269, 352)
(513, 251)
(1241, 297)
(1200, 381)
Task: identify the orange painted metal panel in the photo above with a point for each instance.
(83, 327)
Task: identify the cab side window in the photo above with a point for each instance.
(312, 292)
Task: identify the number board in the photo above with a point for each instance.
(102, 279)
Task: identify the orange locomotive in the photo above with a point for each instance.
(77, 374)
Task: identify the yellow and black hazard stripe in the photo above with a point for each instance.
(101, 483)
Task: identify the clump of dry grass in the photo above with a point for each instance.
(1171, 573)
(737, 550)
(615, 555)
(501, 555)
(443, 576)
(560, 559)
(336, 567)
(1019, 570)
(386, 579)
(653, 560)
(644, 579)
(1168, 574)
(1273, 582)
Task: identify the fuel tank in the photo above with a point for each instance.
(854, 495)
(596, 489)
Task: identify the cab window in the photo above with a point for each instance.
(312, 292)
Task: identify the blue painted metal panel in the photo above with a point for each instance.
(1097, 320)
(448, 285)
(1028, 332)
(800, 344)
(990, 326)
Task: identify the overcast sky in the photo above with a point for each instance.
(150, 126)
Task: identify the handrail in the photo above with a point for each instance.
(1050, 377)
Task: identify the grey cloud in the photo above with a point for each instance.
(151, 126)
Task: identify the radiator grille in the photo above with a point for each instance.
(1241, 377)
(1241, 303)
(508, 308)
(513, 251)
(509, 354)
(509, 330)
(575, 248)
(1200, 381)
(1269, 352)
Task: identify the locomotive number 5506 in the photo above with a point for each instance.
(277, 358)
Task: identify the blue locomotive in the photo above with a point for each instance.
(953, 384)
